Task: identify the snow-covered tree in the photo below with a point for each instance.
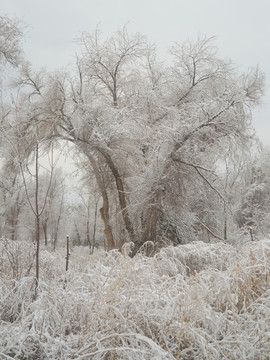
(152, 134)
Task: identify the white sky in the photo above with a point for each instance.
(242, 28)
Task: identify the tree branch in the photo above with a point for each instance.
(211, 232)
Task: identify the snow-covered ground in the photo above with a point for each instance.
(197, 301)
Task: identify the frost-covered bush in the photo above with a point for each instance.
(16, 258)
(197, 257)
(196, 301)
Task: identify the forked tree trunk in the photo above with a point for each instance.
(121, 195)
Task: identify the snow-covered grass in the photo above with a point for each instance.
(197, 301)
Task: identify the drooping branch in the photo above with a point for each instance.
(212, 233)
(198, 168)
(210, 122)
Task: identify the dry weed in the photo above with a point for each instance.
(197, 301)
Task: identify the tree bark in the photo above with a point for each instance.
(107, 227)
(149, 230)
(121, 195)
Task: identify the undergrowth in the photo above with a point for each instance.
(196, 301)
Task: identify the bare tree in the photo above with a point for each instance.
(21, 136)
(38, 206)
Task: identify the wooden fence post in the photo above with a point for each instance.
(68, 253)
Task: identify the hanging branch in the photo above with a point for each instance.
(211, 232)
(197, 167)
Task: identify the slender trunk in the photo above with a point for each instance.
(52, 237)
(55, 238)
(78, 236)
(37, 246)
(67, 259)
(251, 234)
(37, 235)
(13, 229)
(225, 229)
(15, 219)
(55, 231)
(88, 240)
(35, 206)
(94, 229)
(225, 223)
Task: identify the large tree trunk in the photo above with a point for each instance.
(104, 213)
(149, 227)
(121, 195)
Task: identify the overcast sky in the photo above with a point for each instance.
(242, 28)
